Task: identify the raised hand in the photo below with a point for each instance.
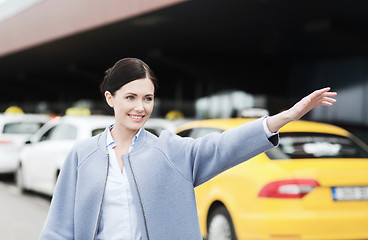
(317, 98)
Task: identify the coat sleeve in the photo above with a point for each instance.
(201, 159)
(60, 220)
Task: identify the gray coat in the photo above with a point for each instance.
(162, 173)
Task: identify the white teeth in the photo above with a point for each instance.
(137, 117)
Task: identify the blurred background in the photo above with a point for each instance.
(213, 59)
(54, 53)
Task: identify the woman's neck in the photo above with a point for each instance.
(122, 136)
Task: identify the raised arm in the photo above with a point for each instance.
(319, 97)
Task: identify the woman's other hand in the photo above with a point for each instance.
(317, 98)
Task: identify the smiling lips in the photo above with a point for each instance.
(136, 118)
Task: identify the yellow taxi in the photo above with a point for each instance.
(314, 185)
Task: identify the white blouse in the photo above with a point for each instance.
(118, 217)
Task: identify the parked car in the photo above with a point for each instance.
(157, 125)
(43, 156)
(15, 129)
(314, 185)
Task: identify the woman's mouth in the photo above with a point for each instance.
(136, 118)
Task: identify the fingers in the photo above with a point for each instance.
(319, 97)
(321, 91)
(325, 103)
(317, 94)
(324, 94)
(328, 99)
(329, 94)
(326, 89)
(328, 104)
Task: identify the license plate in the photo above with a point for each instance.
(350, 193)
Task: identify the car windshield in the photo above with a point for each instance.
(316, 145)
(21, 127)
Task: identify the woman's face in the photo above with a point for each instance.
(132, 103)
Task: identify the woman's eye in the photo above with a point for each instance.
(149, 99)
(130, 97)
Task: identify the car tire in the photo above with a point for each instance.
(220, 226)
(20, 180)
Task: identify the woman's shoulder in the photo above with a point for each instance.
(88, 146)
(171, 141)
(167, 142)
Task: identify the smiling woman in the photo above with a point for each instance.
(132, 104)
(127, 183)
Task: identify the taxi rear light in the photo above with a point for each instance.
(290, 188)
(55, 118)
(4, 141)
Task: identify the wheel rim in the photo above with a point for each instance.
(219, 228)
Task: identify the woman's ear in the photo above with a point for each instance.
(109, 100)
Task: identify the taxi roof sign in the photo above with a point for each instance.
(77, 111)
(14, 110)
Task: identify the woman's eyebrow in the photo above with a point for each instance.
(134, 94)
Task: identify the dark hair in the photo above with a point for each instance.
(125, 71)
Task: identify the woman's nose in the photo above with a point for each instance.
(139, 106)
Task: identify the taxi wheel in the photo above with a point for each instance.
(220, 225)
(19, 179)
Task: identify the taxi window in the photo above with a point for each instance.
(97, 131)
(46, 135)
(316, 145)
(185, 133)
(21, 127)
(64, 132)
(201, 132)
(154, 131)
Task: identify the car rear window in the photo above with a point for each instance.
(21, 127)
(317, 145)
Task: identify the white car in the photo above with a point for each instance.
(43, 156)
(15, 129)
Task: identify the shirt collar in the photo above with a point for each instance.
(110, 143)
(135, 138)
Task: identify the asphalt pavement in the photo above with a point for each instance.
(21, 215)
